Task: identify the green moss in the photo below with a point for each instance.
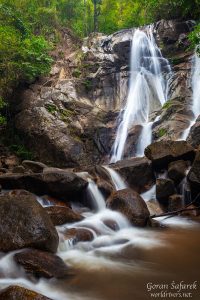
(51, 108)
(3, 120)
(88, 85)
(66, 114)
(162, 132)
(74, 134)
(167, 104)
(76, 73)
(21, 151)
(176, 60)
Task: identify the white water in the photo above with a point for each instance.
(116, 179)
(95, 195)
(196, 94)
(147, 87)
(102, 253)
(144, 139)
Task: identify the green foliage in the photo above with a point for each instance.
(76, 73)
(167, 104)
(3, 104)
(21, 151)
(28, 29)
(51, 108)
(194, 38)
(23, 55)
(88, 85)
(3, 119)
(162, 132)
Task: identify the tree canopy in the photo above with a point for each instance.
(29, 28)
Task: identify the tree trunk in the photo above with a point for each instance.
(95, 16)
(85, 18)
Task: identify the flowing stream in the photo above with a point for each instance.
(148, 88)
(127, 255)
(116, 179)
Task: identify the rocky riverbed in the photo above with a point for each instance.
(52, 229)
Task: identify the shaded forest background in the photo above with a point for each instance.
(29, 29)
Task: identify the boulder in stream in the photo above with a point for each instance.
(131, 205)
(57, 184)
(177, 170)
(137, 172)
(24, 223)
(164, 189)
(163, 152)
(75, 235)
(175, 202)
(61, 215)
(15, 292)
(42, 264)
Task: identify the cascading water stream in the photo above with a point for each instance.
(195, 93)
(98, 201)
(116, 179)
(147, 88)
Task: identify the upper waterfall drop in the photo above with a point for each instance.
(147, 87)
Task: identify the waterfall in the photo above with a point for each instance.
(116, 179)
(145, 138)
(195, 93)
(95, 195)
(147, 88)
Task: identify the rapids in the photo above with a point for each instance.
(127, 255)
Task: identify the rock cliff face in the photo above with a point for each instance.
(70, 118)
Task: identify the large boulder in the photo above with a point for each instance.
(42, 264)
(164, 189)
(15, 292)
(24, 223)
(131, 205)
(168, 32)
(75, 235)
(194, 176)
(177, 170)
(137, 172)
(61, 215)
(175, 115)
(163, 152)
(175, 202)
(58, 184)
